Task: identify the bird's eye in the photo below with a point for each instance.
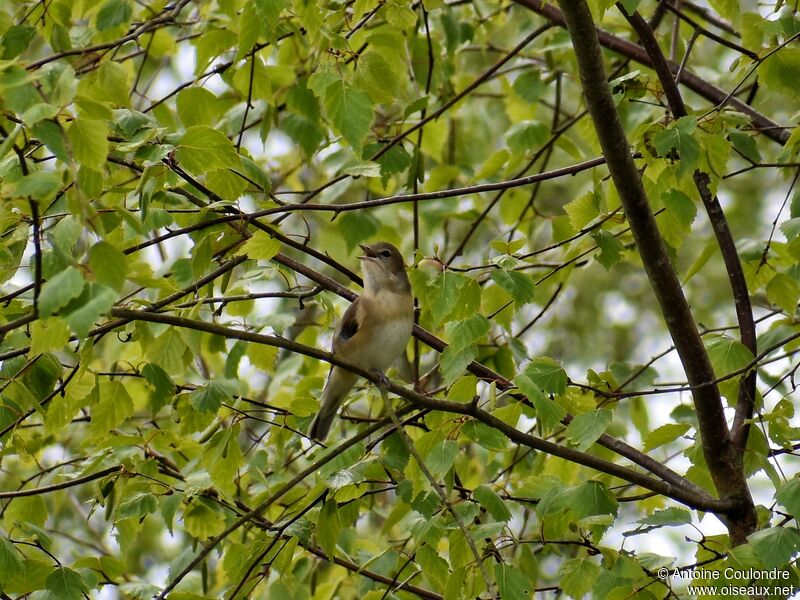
(385, 253)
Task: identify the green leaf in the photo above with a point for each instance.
(493, 503)
(203, 519)
(547, 374)
(52, 136)
(462, 334)
(48, 335)
(590, 499)
(357, 226)
(775, 546)
(59, 290)
(584, 429)
(329, 525)
(452, 295)
(197, 106)
(109, 265)
(401, 17)
(440, 458)
(784, 291)
(668, 516)
(727, 355)
(512, 583)
(548, 413)
(578, 576)
(678, 137)
(203, 149)
(610, 248)
(434, 566)
(745, 144)
(781, 71)
(88, 140)
(350, 111)
(222, 458)
(789, 495)
(115, 405)
(664, 435)
(583, 210)
(518, 285)
(96, 301)
(10, 560)
(39, 185)
(163, 387)
(137, 507)
(64, 584)
(113, 13)
(16, 39)
(261, 246)
(210, 397)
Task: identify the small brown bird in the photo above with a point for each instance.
(374, 330)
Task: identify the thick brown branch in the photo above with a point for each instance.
(741, 296)
(721, 456)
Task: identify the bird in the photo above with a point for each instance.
(373, 331)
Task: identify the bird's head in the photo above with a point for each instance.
(383, 268)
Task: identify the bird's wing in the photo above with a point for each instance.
(348, 326)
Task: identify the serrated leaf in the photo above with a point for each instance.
(10, 560)
(745, 144)
(493, 503)
(96, 301)
(547, 374)
(109, 265)
(59, 290)
(64, 584)
(548, 413)
(464, 333)
(668, 516)
(578, 576)
(610, 248)
(48, 335)
(210, 397)
(584, 429)
(441, 457)
(261, 246)
(678, 137)
(203, 149)
(664, 435)
(222, 458)
(775, 546)
(202, 520)
(88, 141)
(518, 285)
(727, 355)
(781, 70)
(350, 111)
(513, 585)
(329, 525)
(114, 406)
(113, 13)
(590, 499)
(583, 210)
(784, 291)
(789, 495)
(453, 294)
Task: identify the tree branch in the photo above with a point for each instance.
(694, 82)
(741, 296)
(724, 462)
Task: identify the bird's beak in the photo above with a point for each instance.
(368, 253)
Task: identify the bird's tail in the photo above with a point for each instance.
(339, 383)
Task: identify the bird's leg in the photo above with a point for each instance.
(383, 380)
